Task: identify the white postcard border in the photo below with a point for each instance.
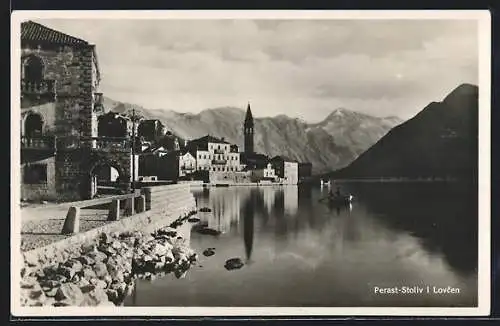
(484, 285)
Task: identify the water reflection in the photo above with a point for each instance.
(248, 224)
(307, 253)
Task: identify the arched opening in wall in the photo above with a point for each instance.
(33, 125)
(105, 180)
(33, 69)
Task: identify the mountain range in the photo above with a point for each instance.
(329, 145)
(440, 141)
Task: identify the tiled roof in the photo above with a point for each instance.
(208, 139)
(31, 31)
(283, 158)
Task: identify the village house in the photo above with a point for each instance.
(215, 154)
(187, 163)
(305, 170)
(114, 124)
(286, 169)
(265, 174)
(61, 148)
(151, 130)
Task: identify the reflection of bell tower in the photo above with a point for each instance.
(248, 131)
(248, 225)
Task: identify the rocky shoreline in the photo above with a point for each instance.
(102, 272)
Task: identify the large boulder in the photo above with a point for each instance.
(69, 292)
(96, 297)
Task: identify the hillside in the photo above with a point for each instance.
(331, 144)
(440, 141)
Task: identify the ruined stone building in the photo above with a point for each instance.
(61, 144)
(151, 130)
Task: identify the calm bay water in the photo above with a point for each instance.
(300, 252)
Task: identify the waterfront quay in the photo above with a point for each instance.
(91, 254)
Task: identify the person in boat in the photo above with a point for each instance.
(337, 192)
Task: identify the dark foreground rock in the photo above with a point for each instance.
(233, 263)
(207, 231)
(205, 210)
(209, 252)
(102, 272)
(193, 219)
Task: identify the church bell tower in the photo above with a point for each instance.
(248, 131)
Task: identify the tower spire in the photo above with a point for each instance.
(248, 131)
(249, 116)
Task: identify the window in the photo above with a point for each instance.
(35, 174)
(33, 125)
(33, 69)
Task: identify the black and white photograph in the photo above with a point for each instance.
(251, 163)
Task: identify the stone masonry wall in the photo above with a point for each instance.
(73, 70)
(74, 167)
(40, 191)
(177, 202)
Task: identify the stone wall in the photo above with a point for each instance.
(73, 69)
(46, 110)
(74, 168)
(167, 204)
(167, 197)
(40, 191)
(231, 177)
(69, 174)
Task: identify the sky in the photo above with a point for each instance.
(301, 68)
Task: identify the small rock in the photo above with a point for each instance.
(31, 260)
(97, 256)
(107, 250)
(100, 270)
(208, 231)
(96, 297)
(51, 292)
(64, 303)
(86, 260)
(105, 238)
(37, 294)
(116, 245)
(50, 283)
(87, 248)
(67, 272)
(71, 292)
(74, 265)
(98, 283)
(60, 278)
(87, 288)
(205, 209)
(168, 231)
(83, 282)
(40, 274)
(88, 273)
(112, 295)
(208, 252)
(108, 279)
(28, 283)
(193, 219)
(233, 263)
